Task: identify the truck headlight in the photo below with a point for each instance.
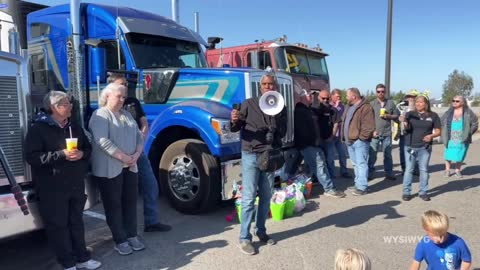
(222, 128)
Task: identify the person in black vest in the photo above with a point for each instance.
(310, 135)
(148, 184)
(59, 176)
(259, 132)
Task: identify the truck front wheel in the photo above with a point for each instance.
(189, 176)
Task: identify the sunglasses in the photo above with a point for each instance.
(324, 98)
(456, 101)
(380, 92)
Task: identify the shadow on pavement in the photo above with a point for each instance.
(470, 170)
(16, 254)
(385, 184)
(168, 250)
(352, 217)
(432, 168)
(454, 185)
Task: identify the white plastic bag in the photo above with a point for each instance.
(300, 201)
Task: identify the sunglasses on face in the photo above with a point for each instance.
(324, 98)
(456, 101)
(380, 92)
(64, 104)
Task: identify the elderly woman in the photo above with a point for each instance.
(459, 123)
(59, 176)
(422, 126)
(117, 145)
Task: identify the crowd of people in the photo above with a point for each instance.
(323, 126)
(119, 165)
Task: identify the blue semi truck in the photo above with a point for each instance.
(192, 151)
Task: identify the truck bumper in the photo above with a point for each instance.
(13, 221)
(231, 178)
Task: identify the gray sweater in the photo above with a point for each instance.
(109, 134)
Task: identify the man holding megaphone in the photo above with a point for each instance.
(263, 123)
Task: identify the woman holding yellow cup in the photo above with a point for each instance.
(58, 152)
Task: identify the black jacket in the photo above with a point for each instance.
(44, 146)
(254, 125)
(313, 124)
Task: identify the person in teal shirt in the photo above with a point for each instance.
(459, 123)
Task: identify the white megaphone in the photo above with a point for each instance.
(271, 103)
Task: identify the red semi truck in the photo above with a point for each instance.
(307, 66)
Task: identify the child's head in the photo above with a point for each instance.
(352, 259)
(435, 225)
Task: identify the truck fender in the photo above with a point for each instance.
(195, 115)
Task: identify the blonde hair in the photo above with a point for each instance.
(110, 88)
(352, 259)
(435, 222)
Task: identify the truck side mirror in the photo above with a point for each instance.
(212, 41)
(98, 65)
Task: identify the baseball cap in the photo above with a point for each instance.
(412, 93)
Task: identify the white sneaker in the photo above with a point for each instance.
(135, 243)
(90, 264)
(123, 248)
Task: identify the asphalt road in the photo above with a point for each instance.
(378, 223)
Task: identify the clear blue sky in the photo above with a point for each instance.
(431, 38)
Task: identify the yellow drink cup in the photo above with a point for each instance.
(72, 144)
(382, 112)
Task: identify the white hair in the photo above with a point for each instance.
(53, 98)
(271, 75)
(110, 88)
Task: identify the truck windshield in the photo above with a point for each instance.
(301, 61)
(161, 52)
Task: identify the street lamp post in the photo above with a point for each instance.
(389, 48)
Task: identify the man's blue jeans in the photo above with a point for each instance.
(359, 152)
(253, 179)
(386, 143)
(315, 159)
(422, 157)
(148, 187)
(342, 156)
(329, 154)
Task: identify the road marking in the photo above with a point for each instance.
(94, 215)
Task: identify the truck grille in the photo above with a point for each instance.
(11, 136)
(286, 89)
